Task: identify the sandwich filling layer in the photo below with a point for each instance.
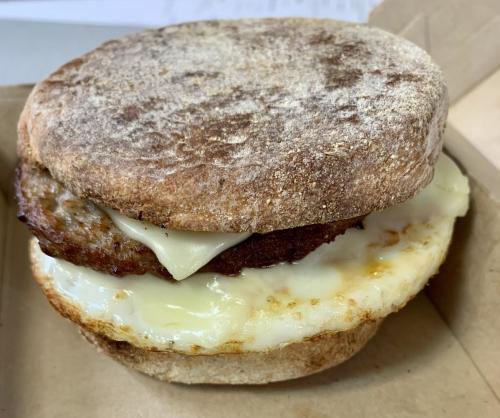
(180, 252)
(364, 274)
(77, 230)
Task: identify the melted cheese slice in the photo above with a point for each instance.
(368, 272)
(180, 252)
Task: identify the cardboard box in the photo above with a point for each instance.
(438, 357)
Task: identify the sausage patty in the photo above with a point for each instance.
(78, 231)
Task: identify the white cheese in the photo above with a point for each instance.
(371, 271)
(180, 252)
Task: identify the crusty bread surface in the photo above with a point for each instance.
(247, 125)
(295, 360)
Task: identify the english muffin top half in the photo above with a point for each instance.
(246, 126)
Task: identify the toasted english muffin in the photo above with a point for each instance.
(242, 126)
(238, 202)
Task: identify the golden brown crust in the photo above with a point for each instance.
(251, 125)
(290, 362)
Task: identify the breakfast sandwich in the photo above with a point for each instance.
(238, 202)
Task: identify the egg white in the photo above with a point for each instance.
(364, 274)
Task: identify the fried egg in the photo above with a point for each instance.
(364, 274)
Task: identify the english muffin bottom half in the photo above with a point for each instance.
(238, 201)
